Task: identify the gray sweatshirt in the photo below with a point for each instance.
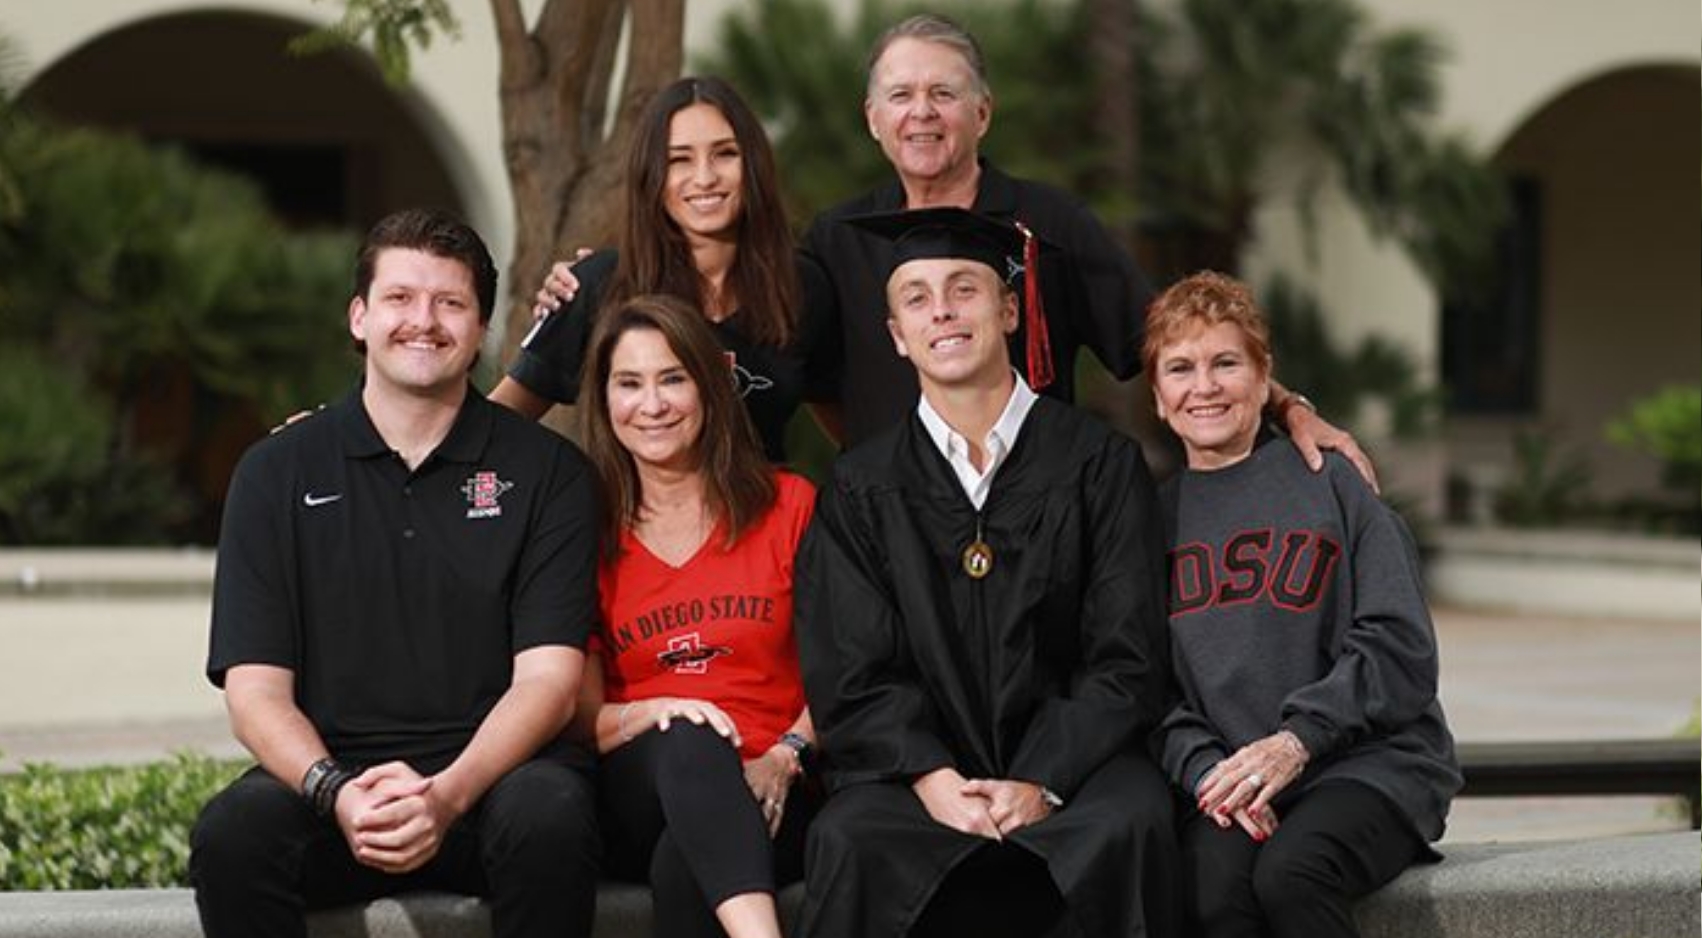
(1295, 601)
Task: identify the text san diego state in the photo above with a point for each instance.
(693, 612)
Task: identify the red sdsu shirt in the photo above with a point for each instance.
(718, 628)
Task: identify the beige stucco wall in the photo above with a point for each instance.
(1508, 58)
(1507, 61)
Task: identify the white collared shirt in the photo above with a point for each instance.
(1001, 439)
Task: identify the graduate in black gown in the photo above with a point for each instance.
(981, 621)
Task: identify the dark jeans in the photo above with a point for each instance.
(679, 816)
(1336, 844)
(260, 858)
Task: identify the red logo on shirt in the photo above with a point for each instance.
(744, 380)
(482, 490)
(688, 655)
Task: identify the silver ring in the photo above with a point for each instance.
(1257, 780)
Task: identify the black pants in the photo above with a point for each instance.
(260, 858)
(678, 815)
(1334, 845)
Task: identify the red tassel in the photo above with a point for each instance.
(1039, 343)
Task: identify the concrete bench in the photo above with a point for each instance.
(1644, 886)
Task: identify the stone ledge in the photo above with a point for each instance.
(1645, 886)
(1567, 573)
(106, 571)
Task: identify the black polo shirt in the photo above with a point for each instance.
(1095, 295)
(399, 598)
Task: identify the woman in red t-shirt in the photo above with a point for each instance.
(693, 687)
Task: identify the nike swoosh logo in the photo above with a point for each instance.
(314, 501)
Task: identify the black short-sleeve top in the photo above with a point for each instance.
(399, 598)
(772, 380)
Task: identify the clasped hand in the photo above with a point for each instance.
(392, 819)
(1240, 789)
(984, 807)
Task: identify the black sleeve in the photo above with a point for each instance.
(1117, 695)
(553, 353)
(874, 719)
(818, 332)
(555, 580)
(1109, 294)
(254, 590)
(814, 243)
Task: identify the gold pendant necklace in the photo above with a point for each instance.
(978, 556)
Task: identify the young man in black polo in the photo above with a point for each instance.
(405, 584)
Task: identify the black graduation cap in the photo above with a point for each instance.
(1008, 247)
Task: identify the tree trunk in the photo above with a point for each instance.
(1111, 50)
(565, 155)
(1111, 38)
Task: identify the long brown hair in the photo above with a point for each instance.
(738, 483)
(654, 254)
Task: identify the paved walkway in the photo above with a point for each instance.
(91, 679)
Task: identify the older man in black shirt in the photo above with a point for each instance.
(928, 105)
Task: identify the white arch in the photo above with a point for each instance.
(1508, 58)
(452, 95)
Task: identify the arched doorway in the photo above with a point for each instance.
(1601, 296)
(329, 142)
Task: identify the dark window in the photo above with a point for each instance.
(304, 185)
(1490, 347)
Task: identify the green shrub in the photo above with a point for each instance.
(153, 307)
(107, 828)
(1668, 426)
(1548, 485)
(61, 476)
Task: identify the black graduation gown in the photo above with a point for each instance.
(1048, 670)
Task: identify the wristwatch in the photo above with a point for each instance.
(800, 746)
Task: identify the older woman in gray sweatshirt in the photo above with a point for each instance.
(1306, 727)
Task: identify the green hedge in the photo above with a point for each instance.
(107, 828)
